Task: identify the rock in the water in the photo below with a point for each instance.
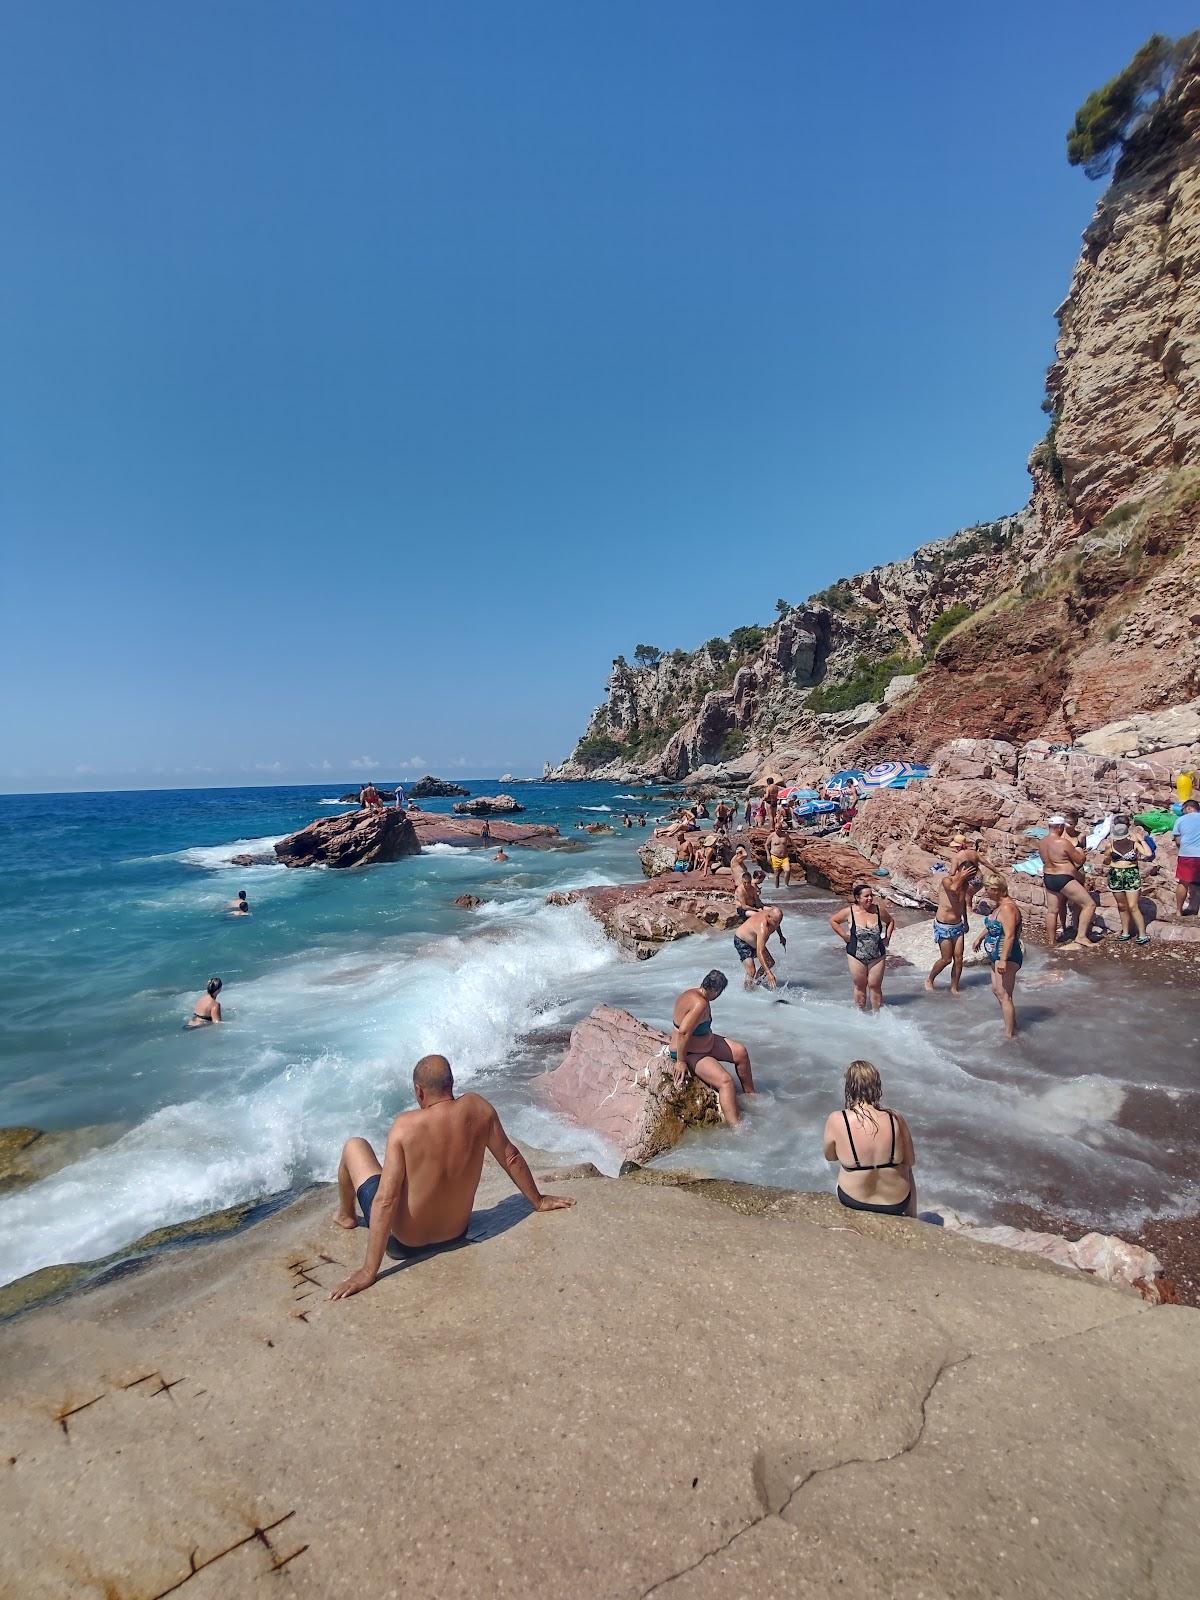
(642, 917)
(616, 1079)
(467, 902)
(833, 865)
(264, 859)
(431, 788)
(432, 828)
(486, 805)
(657, 856)
(353, 839)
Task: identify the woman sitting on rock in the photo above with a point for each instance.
(864, 927)
(873, 1148)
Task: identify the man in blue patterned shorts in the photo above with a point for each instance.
(950, 923)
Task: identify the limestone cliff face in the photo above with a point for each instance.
(1126, 384)
(1081, 608)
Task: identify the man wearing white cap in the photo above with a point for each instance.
(1062, 858)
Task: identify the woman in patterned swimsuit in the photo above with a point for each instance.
(1123, 855)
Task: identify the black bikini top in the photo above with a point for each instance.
(874, 1166)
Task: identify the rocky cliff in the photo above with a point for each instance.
(1080, 608)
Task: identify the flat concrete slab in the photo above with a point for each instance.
(682, 1391)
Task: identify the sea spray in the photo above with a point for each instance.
(469, 997)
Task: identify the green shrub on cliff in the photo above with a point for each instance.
(1111, 113)
(732, 745)
(870, 679)
(943, 624)
(596, 749)
(745, 641)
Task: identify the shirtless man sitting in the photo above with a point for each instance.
(422, 1195)
(696, 1048)
(779, 854)
(1062, 858)
(950, 922)
(750, 943)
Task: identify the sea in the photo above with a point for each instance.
(113, 918)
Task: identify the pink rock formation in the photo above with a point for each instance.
(352, 839)
(467, 831)
(616, 1080)
(1102, 1255)
(642, 917)
(486, 805)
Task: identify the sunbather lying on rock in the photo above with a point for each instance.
(422, 1195)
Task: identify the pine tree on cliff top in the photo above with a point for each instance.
(1111, 114)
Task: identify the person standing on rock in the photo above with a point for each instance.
(865, 927)
(422, 1195)
(779, 854)
(697, 1049)
(485, 833)
(1186, 833)
(950, 924)
(1122, 855)
(771, 803)
(1062, 861)
(400, 801)
(750, 943)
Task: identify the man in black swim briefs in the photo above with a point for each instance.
(422, 1195)
(1062, 860)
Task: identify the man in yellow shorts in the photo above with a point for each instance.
(779, 853)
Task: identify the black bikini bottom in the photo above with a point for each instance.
(900, 1209)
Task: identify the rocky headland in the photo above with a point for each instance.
(1074, 620)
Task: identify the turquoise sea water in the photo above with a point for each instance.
(112, 920)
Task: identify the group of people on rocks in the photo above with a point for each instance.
(370, 799)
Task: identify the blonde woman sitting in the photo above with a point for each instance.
(873, 1148)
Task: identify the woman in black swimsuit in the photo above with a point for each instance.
(864, 927)
(208, 1008)
(873, 1148)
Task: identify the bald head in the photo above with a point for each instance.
(433, 1079)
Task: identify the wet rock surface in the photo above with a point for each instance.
(487, 805)
(616, 1080)
(353, 839)
(642, 917)
(431, 788)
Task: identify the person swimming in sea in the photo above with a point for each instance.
(500, 855)
(207, 1009)
(239, 907)
(697, 1049)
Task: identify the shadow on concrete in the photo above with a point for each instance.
(489, 1224)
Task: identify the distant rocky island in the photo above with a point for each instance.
(1060, 621)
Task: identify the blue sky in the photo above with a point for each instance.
(372, 374)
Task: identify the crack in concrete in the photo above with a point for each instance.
(947, 1364)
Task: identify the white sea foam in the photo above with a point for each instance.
(278, 1114)
(595, 808)
(332, 802)
(215, 857)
